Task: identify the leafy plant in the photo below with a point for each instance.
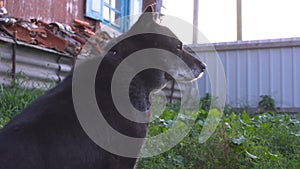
(205, 102)
(267, 103)
(263, 141)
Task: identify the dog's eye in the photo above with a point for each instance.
(179, 46)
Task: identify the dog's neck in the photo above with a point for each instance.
(139, 94)
(138, 89)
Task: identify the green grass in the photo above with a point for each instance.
(241, 141)
(13, 99)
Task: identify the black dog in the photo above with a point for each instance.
(48, 135)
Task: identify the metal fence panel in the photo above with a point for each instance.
(256, 68)
(35, 68)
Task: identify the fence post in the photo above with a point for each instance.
(14, 46)
(195, 21)
(239, 20)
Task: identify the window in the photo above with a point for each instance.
(269, 19)
(110, 11)
(216, 19)
(230, 20)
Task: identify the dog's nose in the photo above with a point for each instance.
(199, 65)
(203, 66)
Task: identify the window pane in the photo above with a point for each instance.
(106, 13)
(217, 20)
(269, 19)
(113, 3)
(181, 25)
(118, 5)
(136, 7)
(106, 1)
(115, 19)
(96, 5)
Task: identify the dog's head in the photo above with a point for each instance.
(146, 33)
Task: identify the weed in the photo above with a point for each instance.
(267, 103)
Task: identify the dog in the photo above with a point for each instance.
(48, 135)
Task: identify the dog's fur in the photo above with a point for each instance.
(48, 135)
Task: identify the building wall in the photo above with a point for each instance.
(47, 10)
(64, 11)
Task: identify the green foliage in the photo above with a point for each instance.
(13, 99)
(267, 103)
(264, 141)
(205, 102)
(268, 140)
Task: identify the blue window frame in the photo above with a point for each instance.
(110, 11)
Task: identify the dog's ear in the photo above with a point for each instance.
(149, 9)
(147, 15)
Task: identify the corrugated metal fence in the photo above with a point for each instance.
(42, 66)
(255, 68)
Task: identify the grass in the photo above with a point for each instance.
(13, 99)
(241, 141)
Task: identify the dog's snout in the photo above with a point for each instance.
(193, 54)
(202, 66)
